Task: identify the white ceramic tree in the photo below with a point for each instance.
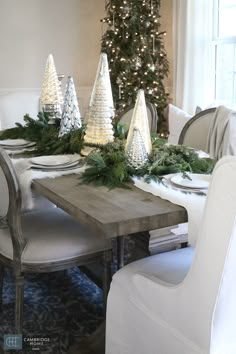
(51, 96)
(101, 109)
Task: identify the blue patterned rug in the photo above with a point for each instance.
(61, 306)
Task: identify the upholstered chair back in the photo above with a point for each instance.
(126, 116)
(195, 131)
(14, 205)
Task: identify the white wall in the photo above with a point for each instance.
(69, 29)
(32, 29)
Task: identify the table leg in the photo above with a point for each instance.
(120, 243)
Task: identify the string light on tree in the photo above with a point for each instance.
(137, 55)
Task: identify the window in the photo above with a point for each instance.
(224, 40)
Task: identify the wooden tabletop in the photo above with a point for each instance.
(115, 212)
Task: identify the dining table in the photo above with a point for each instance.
(112, 213)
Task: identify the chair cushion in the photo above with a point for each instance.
(170, 267)
(53, 235)
(177, 120)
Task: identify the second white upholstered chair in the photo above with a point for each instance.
(182, 302)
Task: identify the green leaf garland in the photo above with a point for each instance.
(108, 165)
(46, 136)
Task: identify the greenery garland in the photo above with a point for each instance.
(108, 164)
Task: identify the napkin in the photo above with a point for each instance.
(26, 176)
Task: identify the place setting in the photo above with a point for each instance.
(188, 182)
(56, 162)
(14, 145)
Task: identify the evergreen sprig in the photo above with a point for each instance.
(32, 130)
(108, 167)
(166, 159)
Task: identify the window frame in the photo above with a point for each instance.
(216, 41)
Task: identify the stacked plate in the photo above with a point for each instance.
(193, 183)
(16, 144)
(56, 163)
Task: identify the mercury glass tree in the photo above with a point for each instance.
(136, 53)
(71, 118)
(139, 121)
(136, 152)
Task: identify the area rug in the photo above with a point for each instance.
(62, 307)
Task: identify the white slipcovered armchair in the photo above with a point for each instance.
(184, 301)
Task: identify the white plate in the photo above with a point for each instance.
(15, 142)
(197, 181)
(73, 164)
(18, 148)
(51, 160)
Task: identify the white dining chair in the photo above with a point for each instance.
(195, 132)
(182, 302)
(43, 241)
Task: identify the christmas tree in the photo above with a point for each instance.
(136, 53)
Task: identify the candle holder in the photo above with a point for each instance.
(54, 112)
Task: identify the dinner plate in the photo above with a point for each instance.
(196, 181)
(52, 160)
(18, 148)
(73, 164)
(16, 143)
